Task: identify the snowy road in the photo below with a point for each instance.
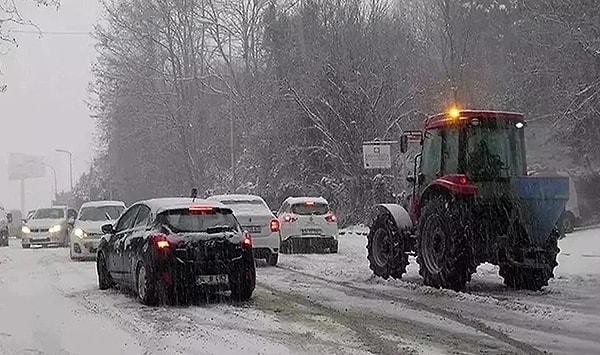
(311, 304)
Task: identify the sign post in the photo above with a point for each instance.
(377, 154)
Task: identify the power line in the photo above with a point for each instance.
(60, 33)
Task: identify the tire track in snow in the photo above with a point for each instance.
(421, 306)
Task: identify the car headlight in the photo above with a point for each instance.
(55, 229)
(79, 233)
(25, 229)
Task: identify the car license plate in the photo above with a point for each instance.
(253, 229)
(212, 279)
(311, 231)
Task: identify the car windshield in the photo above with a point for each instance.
(100, 213)
(494, 149)
(205, 221)
(49, 213)
(309, 209)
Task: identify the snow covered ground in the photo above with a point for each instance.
(311, 304)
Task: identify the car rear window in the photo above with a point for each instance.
(49, 213)
(308, 209)
(195, 221)
(246, 205)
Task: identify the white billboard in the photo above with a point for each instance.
(24, 166)
(377, 156)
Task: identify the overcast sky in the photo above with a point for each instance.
(44, 106)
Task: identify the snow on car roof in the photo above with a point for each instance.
(295, 200)
(103, 203)
(169, 203)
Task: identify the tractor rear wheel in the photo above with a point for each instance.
(386, 247)
(533, 279)
(444, 251)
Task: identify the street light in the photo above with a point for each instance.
(55, 183)
(70, 165)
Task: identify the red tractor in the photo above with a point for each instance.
(472, 202)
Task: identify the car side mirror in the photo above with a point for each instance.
(411, 179)
(403, 143)
(9, 217)
(107, 229)
(71, 221)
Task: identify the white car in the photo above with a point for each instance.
(254, 215)
(48, 227)
(86, 233)
(307, 224)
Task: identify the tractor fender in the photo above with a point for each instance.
(400, 215)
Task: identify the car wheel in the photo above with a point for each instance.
(104, 279)
(243, 285)
(272, 259)
(145, 287)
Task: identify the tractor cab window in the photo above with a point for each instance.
(494, 150)
(450, 151)
(431, 162)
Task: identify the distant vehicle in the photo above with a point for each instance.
(49, 227)
(256, 217)
(571, 218)
(87, 229)
(307, 224)
(17, 223)
(171, 249)
(5, 220)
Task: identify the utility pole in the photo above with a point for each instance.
(70, 165)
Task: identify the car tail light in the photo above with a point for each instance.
(274, 225)
(331, 218)
(161, 242)
(247, 242)
(288, 218)
(463, 180)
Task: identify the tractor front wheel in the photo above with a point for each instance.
(444, 251)
(386, 248)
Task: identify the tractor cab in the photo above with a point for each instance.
(481, 145)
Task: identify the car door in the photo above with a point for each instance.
(133, 243)
(116, 243)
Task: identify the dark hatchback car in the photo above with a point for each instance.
(174, 249)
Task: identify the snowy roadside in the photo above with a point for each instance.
(563, 318)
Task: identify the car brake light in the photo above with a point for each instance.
(463, 180)
(161, 242)
(331, 218)
(201, 210)
(288, 218)
(309, 203)
(274, 225)
(247, 242)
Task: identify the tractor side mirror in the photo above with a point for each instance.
(107, 229)
(403, 143)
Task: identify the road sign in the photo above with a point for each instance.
(377, 156)
(24, 166)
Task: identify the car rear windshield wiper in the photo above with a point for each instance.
(219, 229)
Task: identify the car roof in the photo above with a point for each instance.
(103, 203)
(295, 200)
(235, 197)
(158, 205)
